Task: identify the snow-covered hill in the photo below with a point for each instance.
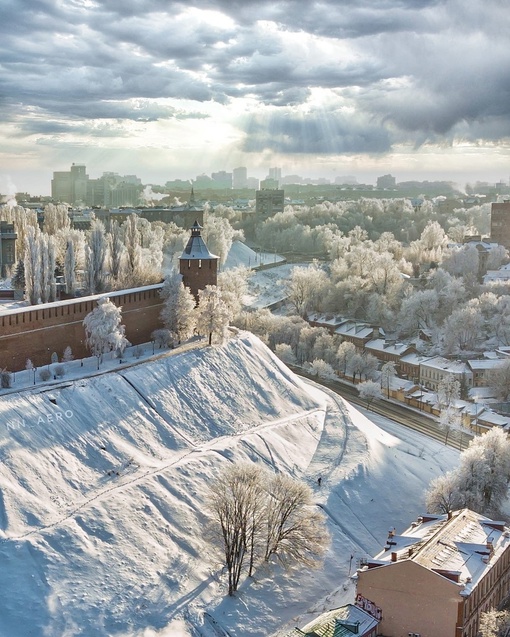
(103, 485)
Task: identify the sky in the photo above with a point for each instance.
(105, 484)
(164, 90)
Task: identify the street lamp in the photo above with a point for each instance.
(34, 369)
(14, 368)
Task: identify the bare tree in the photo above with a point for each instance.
(257, 515)
(234, 504)
(294, 530)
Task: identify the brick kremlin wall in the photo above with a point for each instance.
(37, 331)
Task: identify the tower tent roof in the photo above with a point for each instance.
(196, 247)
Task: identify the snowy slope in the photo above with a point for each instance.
(103, 485)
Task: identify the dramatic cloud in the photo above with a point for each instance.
(298, 77)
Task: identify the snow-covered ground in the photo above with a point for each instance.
(104, 482)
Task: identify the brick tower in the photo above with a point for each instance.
(196, 264)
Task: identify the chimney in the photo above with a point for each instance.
(394, 557)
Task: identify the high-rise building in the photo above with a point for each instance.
(239, 178)
(500, 223)
(110, 190)
(222, 179)
(268, 202)
(386, 181)
(276, 174)
(70, 187)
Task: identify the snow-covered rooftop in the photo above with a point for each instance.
(390, 347)
(467, 544)
(444, 364)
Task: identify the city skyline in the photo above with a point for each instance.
(415, 88)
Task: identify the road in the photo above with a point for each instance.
(404, 415)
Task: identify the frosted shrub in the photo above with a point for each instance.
(5, 379)
(45, 374)
(59, 371)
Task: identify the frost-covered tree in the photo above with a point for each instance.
(218, 234)
(67, 356)
(95, 258)
(444, 494)
(56, 217)
(499, 380)
(213, 314)
(388, 371)
(481, 480)
(70, 268)
(116, 250)
(433, 236)
(448, 391)
(162, 337)
(295, 529)
(344, 354)
(133, 248)
(485, 469)
(462, 330)
(179, 315)
(449, 419)
(494, 623)
(285, 353)
(32, 265)
(418, 311)
(321, 369)
(369, 391)
(104, 330)
(234, 285)
(306, 287)
(47, 268)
